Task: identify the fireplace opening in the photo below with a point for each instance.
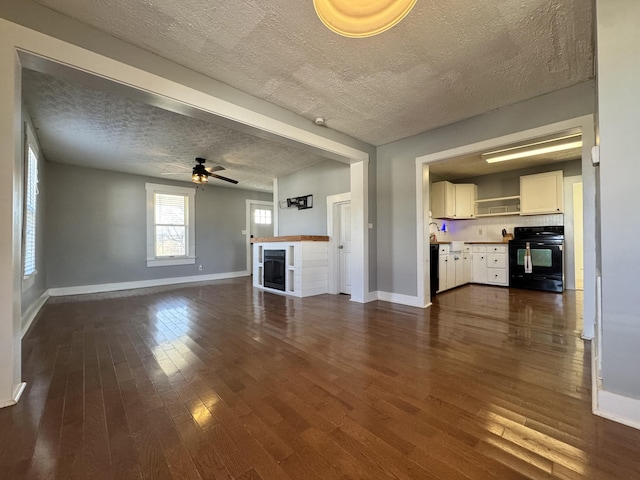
(274, 269)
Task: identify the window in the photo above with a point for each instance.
(170, 225)
(30, 209)
(262, 217)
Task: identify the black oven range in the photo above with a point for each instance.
(545, 247)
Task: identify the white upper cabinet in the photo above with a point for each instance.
(450, 200)
(541, 193)
(466, 194)
(443, 200)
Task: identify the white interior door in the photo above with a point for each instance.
(344, 247)
(260, 224)
(578, 228)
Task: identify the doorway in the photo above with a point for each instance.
(344, 247)
(259, 225)
(340, 230)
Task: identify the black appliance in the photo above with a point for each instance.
(434, 277)
(274, 269)
(546, 245)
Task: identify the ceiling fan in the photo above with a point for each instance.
(200, 174)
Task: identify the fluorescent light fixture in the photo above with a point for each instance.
(361, 18)
(559, 144)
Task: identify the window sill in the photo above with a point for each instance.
(27, 282)
(166, 262)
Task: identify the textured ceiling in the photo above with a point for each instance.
(444, 62)
(82, 126)
(474, 165)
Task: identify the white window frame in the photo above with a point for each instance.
(30, 143)
(190, 257)
(269, 214)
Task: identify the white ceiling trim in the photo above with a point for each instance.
(50, 49)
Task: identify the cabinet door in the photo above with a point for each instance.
(443, 262)
(459, 269)
(443, 200)
(451, 271)
(467, 268)
(541, 193)
(466, 194)
(479, 269)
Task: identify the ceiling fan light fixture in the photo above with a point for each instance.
(199, 178)
(560, 144)
(361, 18)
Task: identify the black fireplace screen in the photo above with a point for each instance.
(274, 269)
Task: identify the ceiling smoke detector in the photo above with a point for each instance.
(319, 121)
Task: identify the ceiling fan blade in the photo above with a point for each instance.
(230, 180)
(174, 173)
(217, 168)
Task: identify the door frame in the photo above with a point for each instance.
(332, 228)
(247, 232)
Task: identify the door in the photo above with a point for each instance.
(577, 235)
(344, 247)
(260, 224)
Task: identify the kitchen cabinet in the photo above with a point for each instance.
(443, 200)
(479, 260)
(452, 271)
(541, 193)
(455, 201)
(490, 264)
(467, 265)
(466, 194)
(497, 265)
(447, 272)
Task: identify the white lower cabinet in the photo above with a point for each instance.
(497, 265)
(454, 268)
(491, 264)
(479, 259)
(467, 265)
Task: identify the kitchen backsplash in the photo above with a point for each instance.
(489, 229)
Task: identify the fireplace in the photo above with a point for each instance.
(274, 269)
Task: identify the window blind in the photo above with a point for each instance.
(171, 225)
(31, 193)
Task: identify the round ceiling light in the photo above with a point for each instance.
(361, 18)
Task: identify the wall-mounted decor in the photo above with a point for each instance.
(302, 203)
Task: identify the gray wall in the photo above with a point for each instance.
(96, 228)
(618, 107)
(30, 295)
(320, 180)
(396, 191)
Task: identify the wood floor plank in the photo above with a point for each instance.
(215, 380)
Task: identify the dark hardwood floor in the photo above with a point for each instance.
(217, 380)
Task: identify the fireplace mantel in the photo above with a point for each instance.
(292, 238)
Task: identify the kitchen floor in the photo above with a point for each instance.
(219, 380)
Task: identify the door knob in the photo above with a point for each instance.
(341, 247)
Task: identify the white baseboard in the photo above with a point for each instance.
(409, 300)
(371, 297)
(112, 287)
(29, 316)
(17, 393)
(621, 409)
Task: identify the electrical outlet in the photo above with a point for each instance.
(480, 231)
(200, 267)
